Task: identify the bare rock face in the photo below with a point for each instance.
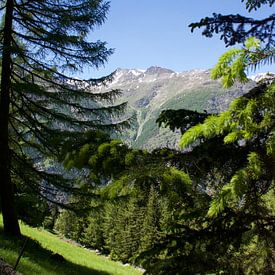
(7, 269)
(158, 70)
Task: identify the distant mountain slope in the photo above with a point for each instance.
(150, 91)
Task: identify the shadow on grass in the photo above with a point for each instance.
(36, 258)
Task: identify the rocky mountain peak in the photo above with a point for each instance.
(150, 91)
(158, 70)
(260, 76)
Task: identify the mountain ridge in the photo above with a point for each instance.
(150, 91)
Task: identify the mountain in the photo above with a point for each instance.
(150, 91)
(260, 76)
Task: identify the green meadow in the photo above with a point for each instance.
(42, 245)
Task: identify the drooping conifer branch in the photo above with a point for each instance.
(42, 43)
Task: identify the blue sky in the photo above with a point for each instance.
(145, 33)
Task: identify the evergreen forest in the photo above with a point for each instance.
(207, 207)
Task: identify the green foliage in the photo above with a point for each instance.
(112, 220)
(231, 67)
(205, 210)
(46, 42)
(129, 240)
(232, 194)
(93, 233)
(104, 157)
(151, 231)
(70, 225)
(245, 121)
(246, 126)
(234, 29)
(235, 152)
(133, 211)
(183, 119)
(233, 63)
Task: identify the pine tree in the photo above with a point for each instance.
(41, 105)
(111, 223)
(70, 225)
(131, 237)
(150, 233)
(248, 193)
(115, 224)
(93, 232)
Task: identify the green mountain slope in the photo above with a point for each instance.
(46, 254)
(156, 89)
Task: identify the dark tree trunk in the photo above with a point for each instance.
(11, 225)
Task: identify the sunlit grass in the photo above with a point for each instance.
(37, 258)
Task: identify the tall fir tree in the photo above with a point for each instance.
(41, 105)
(150, 232)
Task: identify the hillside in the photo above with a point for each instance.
(150, 91)
(45, 254)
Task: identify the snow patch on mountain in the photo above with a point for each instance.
(150, 91)
(260, 76)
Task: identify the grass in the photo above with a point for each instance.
(38, 255)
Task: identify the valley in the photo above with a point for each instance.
(150, 91)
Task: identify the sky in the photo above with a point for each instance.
(147, 33)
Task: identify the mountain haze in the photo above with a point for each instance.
(150, 91)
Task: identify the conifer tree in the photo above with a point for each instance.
(42, 43)
(69, 225)
(239, 225)
(248, 125)
(112, 222)
(150, 233)
(249, 192)
(93, 232)
(235, 28)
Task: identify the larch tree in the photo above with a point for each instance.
(42, 44)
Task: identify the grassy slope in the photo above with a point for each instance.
(37, 257)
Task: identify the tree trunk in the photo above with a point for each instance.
(10, 220)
